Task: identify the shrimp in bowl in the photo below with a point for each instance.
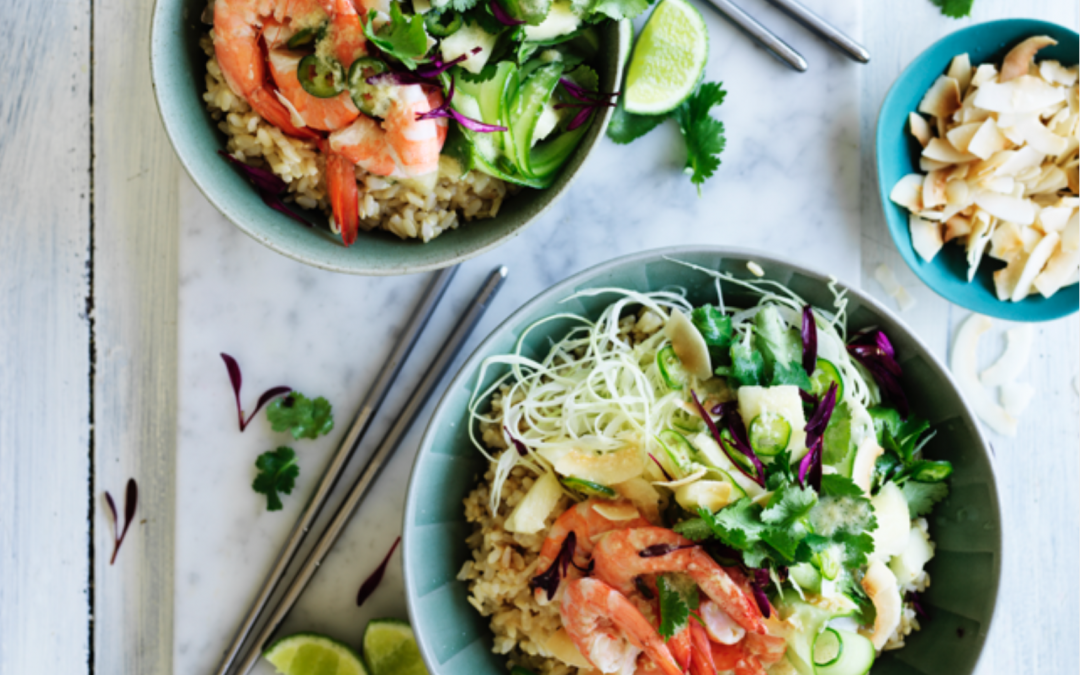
(394, 115)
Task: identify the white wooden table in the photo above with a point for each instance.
(89, 230)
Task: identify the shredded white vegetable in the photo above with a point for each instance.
(597, 392)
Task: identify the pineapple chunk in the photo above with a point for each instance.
(781, 400)
(529, 515)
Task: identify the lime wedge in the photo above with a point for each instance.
(312, 654)
(390, 648)
(668, 59)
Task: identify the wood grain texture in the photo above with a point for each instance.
(1037, 470)
(135, 279)
(44, 336)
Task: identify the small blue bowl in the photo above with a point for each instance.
(898, 155)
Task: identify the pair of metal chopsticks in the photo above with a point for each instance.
(782, 50)
(372, 401)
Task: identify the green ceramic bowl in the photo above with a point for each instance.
(178, 68)
(455, 639)
(898, 155)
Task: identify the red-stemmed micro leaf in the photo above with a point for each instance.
(372, 582)
(236, 379)
(809, 340)
(131, 503)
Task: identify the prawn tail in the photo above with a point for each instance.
(273, 111)
(344, 195)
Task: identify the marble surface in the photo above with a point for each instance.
(789, 184)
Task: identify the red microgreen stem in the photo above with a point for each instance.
(236, 379)
(518, 445)
(662, 469)
(372, 582)
(734, 426)
(131, 502)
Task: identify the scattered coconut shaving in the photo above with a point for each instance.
(755, 269)
(1016, 396)
(1000, 156)
(962, 363)
(887, 279)
(1013, 360)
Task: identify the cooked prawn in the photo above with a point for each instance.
(402, 146)
(701, 659)
(736, 658)
(609, 630)
(237, 26)
(618, 562)
(344, 195)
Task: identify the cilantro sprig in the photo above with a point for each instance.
(678, 597)
(301, 416)
(277, 474)
(954, 9)
(403, 37)
(703, 133)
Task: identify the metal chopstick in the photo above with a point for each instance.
(386, 448)
(760, 34)
(374, 398)
(823, 28)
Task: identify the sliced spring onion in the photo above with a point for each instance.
(322, 78)
(671, 369)
(824, 375)
(769, 434)
(589, 488)
(828, 648)
(361, 91)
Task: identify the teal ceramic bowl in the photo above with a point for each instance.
(898, 155)
(456, 640)
(178, 69)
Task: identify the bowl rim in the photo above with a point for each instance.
(1001, 309)
(158, 75)
(565, 287)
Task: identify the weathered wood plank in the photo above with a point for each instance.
(1036, 470)
(135, 280)
(44, 336)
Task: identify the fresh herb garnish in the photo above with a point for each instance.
(237, 380)
(372, 582)
(131, 501)
(955, 9)
(678, 596)
(301, 416)
(277, 473)
(403, 37)
(703, 134)
(715, 329)
(921, 497)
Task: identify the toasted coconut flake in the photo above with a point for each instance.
(689, 345)
(908, 192)
(960, 136)
(1059, 270)
(962, 363)
(1030, 236)
(957, 226)
(1013, 360)
(1006, 241)
(1016, 397)
(919, 128)
(958, 195)
(1019, 211)
(1073, 175)
(1006, 278)
(1002, 185)
(933, 193)
(984, 73)
(1054, 218)
(1032, 132)
(884, 275)
(942, 151)
(1025, 94)
(1035, 262)
(925, 237)
(981, 231)
(1052, 180)
(960, 70)
(1070, 234)
(987, 140)
(1053, 71)
(1018, 160)
(1021, 57)
(616, 510)
(928, 165)
(943, 98)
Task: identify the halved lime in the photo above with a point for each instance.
(313, 654)
(668, 59)
(390, 648)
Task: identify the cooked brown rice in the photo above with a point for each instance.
(412, 209)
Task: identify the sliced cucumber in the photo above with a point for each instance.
(671, 369)
(526, 106)
(824, 375)
(589, 488)
(769, 434)
(812, 618)
(828, 648)
(806, 577)
(854, 654)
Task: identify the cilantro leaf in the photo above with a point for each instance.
(788, 504)
(955, 9)
(715, 328)
(301, 416)
(921, 497)
(835, 485)
(615, 9)
(704, 135)
(674, 611)
(781, 349)
(857, 547)
(403, 38)
(790, 373)
(277, 473)
(627, 127)
(461, 5)
(747, 364)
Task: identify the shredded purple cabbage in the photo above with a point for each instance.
(738, 437)
(810, 466)
(807, 397)
(662, 469)
(269, 187)
(589, 101)
(809, 340)
(518, 445)
(725, 408)
(426, 74)
(759, 581)
(502, 16)
(446, 110)
(657, 550)
(874, 352)
(913, 598)
(549, 579)
(372, 582)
